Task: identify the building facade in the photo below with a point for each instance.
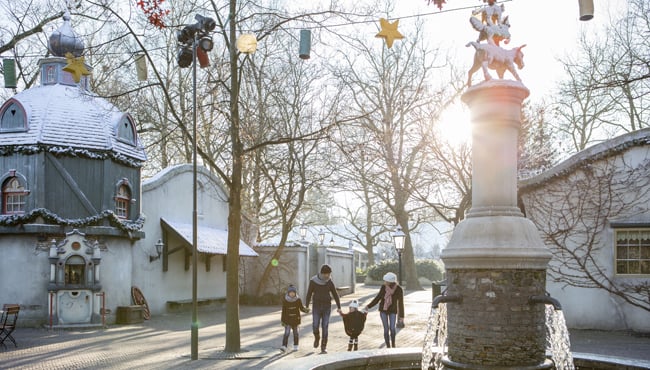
(593, 212)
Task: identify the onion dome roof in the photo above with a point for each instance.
(65, 40)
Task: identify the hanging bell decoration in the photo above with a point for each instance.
(9, 71)
(305, 44)
(141, 67)
(586, 9)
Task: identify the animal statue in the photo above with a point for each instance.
(497, 58)
(492, 33)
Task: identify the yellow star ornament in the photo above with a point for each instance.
(389, 31)
(76, 67)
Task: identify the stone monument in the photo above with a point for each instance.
(495, 260)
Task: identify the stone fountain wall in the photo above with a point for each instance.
(495, 325)
(495, 259)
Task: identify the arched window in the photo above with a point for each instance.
(122, 201)
(126, 130)
(13, 196)
(12, 118)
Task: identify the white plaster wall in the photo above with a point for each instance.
(115, 273)
(292, 268)
(169, 195)
(342, 265)
(24, 277)
(591, 308)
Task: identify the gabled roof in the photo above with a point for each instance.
(209, 239)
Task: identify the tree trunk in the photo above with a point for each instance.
(269, 266)
(233, 343)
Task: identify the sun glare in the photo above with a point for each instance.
(454, 126)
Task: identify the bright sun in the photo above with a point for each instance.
(455, 125)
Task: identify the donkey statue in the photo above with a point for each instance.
(497, 58)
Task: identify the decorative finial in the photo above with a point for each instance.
(64, 40)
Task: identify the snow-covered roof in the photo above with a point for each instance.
(209, 239)
(591, 154)
(70, 117)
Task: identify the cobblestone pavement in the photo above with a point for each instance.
(164, 341)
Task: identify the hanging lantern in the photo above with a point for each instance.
(586, 9)
(305, 44)
(247, 43)
(141, 67)
(9, 68)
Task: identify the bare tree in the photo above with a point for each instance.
(573, 211)
(583, 112)
(537, 149)
(607, 88)
(392, 90)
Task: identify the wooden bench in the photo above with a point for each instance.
(184, 304)
(8, 323)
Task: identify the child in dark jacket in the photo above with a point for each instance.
(354, 321)
(291, 307)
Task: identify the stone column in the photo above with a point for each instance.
(495, 259)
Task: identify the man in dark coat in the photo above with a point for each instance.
(323, 290)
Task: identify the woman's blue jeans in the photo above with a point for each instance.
(388, 320)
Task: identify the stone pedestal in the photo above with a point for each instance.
(495, 259)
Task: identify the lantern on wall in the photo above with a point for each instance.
(9, 71)
(305, 44)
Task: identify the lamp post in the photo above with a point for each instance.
(332, 241)
(398, 239)
(321, 236)
(303, 232)
(192, 37)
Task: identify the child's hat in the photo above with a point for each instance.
(292, 289)
(354, 304)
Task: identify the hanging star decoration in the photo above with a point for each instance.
(76, 67)
(389, 31)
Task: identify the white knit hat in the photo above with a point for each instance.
(390, 277)
(354, 304)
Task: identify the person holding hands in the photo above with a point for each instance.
(291, 307)
(323, 290)
(391, 305)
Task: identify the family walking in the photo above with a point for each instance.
(321, 291)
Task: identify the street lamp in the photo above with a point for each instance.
(192, 37)
(398, 239)
(303, 232)
(332, 241)
(321, 236)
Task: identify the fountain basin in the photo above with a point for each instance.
(411, 357)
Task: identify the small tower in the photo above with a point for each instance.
(70, 175)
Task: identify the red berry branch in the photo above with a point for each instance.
(154, 12)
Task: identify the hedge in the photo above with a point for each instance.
(432, 270)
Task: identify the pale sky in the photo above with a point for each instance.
(549, 28)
